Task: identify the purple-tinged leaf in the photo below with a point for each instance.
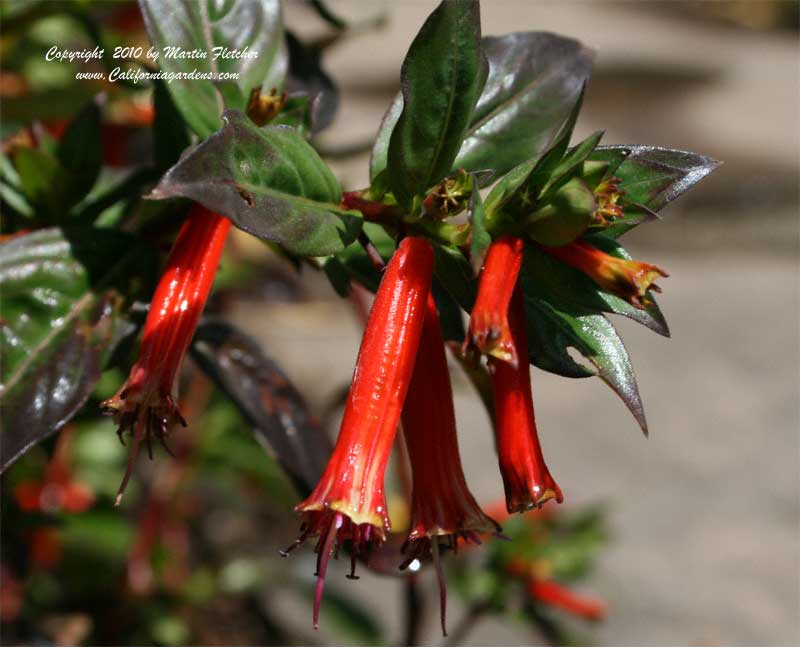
(653, 177)
(266, 398)
(59, 322)
(270, 182)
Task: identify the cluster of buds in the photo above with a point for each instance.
(449, 197)
(607, 195)
(263, 108)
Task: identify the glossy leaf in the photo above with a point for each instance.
(193, 25)
(552, 331)
(269, 182)
(266, 398)
(61, 295)
(549, 161)
(534, 82)
(380, 149)
(535, 79)
(654, 177)
(441, 79)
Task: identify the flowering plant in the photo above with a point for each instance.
(479, 208)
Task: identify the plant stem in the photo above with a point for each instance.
(415, 610)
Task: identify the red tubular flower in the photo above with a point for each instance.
(442, 507)
(489, 331)
(145, 405)
(349, 502)
(527, 480)
(557, 595)
(58, 491)
(629, 280)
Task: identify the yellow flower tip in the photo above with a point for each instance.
(642, 279)
(490, 334)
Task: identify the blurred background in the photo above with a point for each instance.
(703, 518)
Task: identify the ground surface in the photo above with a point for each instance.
(705, 512)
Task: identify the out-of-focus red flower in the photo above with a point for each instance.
(11, 595)
(45, 547)
(57, 491)
(554, 594)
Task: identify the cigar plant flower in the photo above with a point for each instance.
(443, 510)
(349, 502)
(146, 405)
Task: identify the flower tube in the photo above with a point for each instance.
(443, 509)
(145, 405)
(526, 479)
(627, 279)
(349, 502)
(489, 331)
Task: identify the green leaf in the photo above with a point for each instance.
(507, 186)
(266, 398)
(170, 137)
(480, 240)
(569, 164)
(80, 151)
(357, 264)
(535, 80)
(567, 286)
(455, 274)
(43, 181)
(565, 217)
(553, 330)
(451, 319)
(653, 177)
(441, 79)
(380, 149)
(270, 182)
(191, 25)
(61, 296)
(612, 155)
(550, 160)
